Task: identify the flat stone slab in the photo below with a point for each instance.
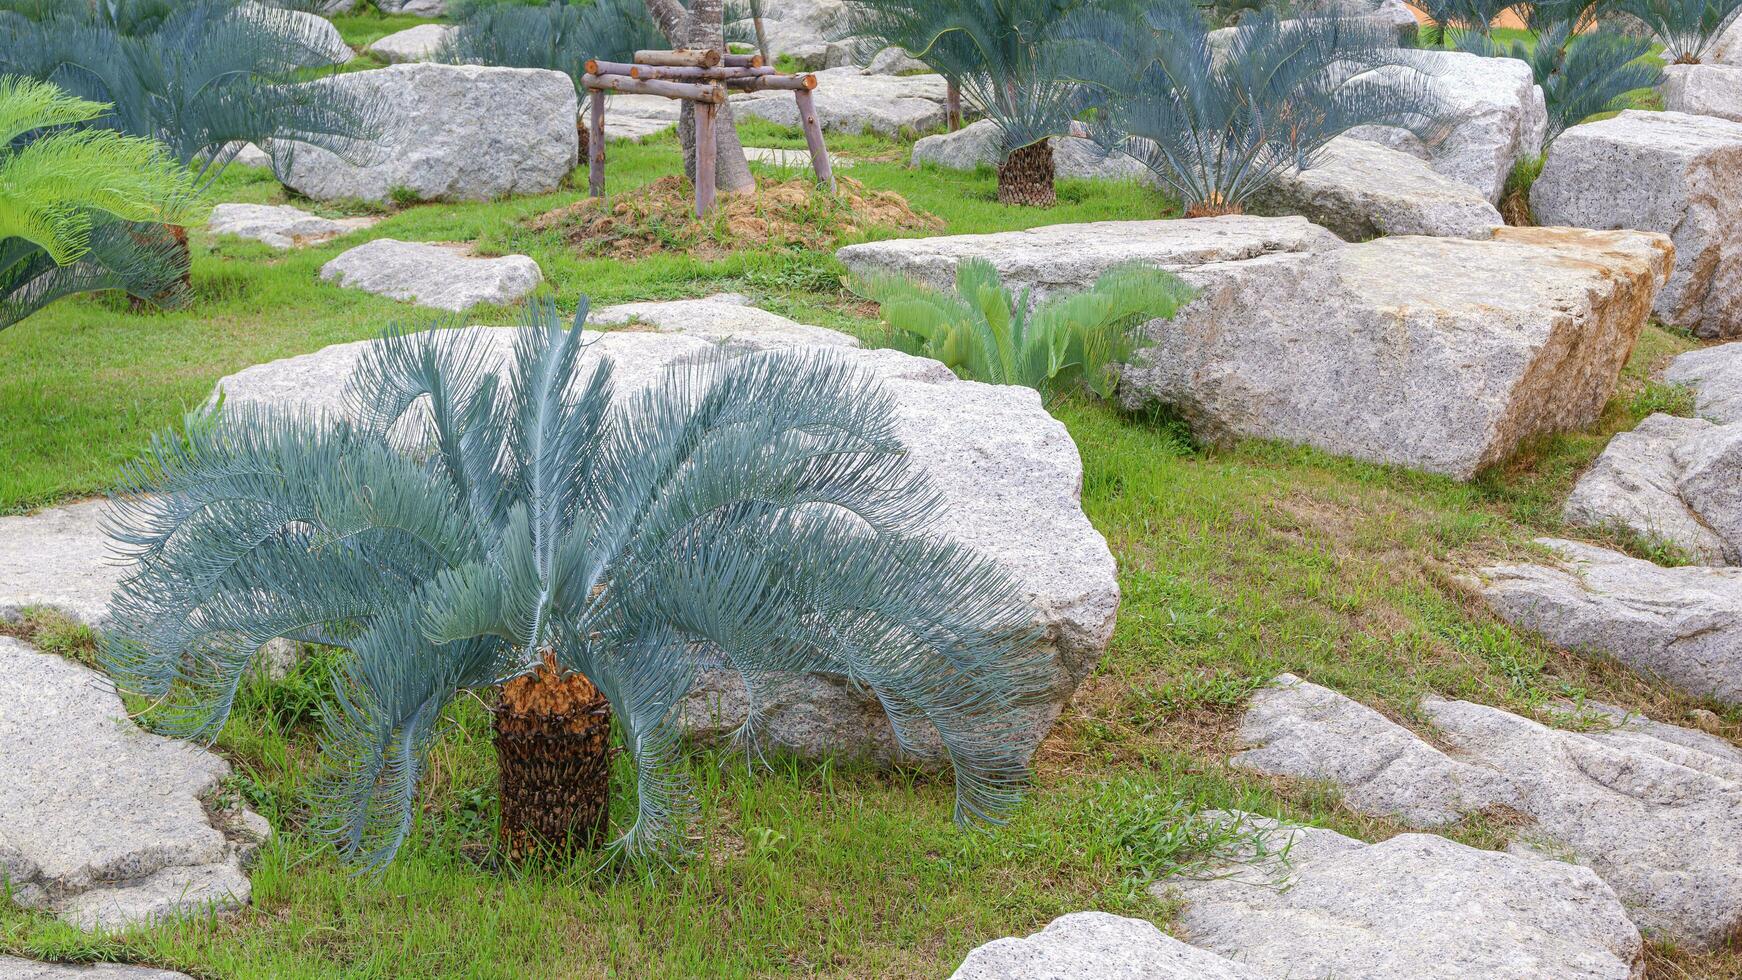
(100, 822)
(418, 43)
(794, 159)
(13, 968)
(58, 558)
(1067, 258)
(1307, 902)
(1439, 354)
(1361, 190)
(849, 101)
(1703, 90)
(1668, 172)
(524, 141)
(1715, 374)
(1653, 809)
(1009, 473)
(1637, 482)
(977, 145)
(280, 225)
(636, 117)
(1683, 625)
(445, 277)
(1098, 946)
(724, 320)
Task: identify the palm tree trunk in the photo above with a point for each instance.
(701, 26)
(553, 737)
(1026, 176)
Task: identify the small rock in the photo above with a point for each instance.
(1705, 720)
(416, 8)
(445, 277)
(734, 325)
(13, 968)
(977, 145)
(810, 32)
(280, 226)
(793, 159)
(1362, 190)
(1306, 902)
(250, 155)
(412, 44)
(1715, 373)
(848, 101)
(1098, 946)
(1636, 484)
(636, 117)
(1667, 172)
(894, 61)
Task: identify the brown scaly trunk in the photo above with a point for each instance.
(1214, 208)
(184, 259)
(1025, 177)
(553, 736)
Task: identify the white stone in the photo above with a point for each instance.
(322, 44)
(1360, 190)
(1703, 90)
(1651, 808)
(636, 117)
(100, 822)
(895, 61)
(1497, 113)
(790, 159)
(735, 325)
(1098, 946)
(1636, 484)
(418, 43)
(416, 8)
(13, 968)
(253, 156)
(1715, 374)
(976, 145)
(1727, 49)
(1306, 902)
(457, 133)
(1439, 354)
(58, 559)
(280, 226)
(1667, 172)
(810, 32)
(1009, 473)
(848, 101)
(1061, 258)
(445, 277)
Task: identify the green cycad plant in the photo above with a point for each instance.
(985, 332)
(1686, 28)
(71, 201)
(1009, 58)
(581, 546)
(557, 36)
(1581, 75)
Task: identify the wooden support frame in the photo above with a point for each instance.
(702, 78)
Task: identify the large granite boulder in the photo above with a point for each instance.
(850, 101)
(446, 277)
(1653, 809)
(977, 145)
(1306, 902)
(1439, 354)
(319, 43)
(1098, 946)
(58, 559)
(418, 43)
(1009, 473)
(101, 823)
(1715, 375)
(1061, 258)
(1497, 117)
(1703, 90)
(280, 225)
(1667, 172)
(1636, 484)
(810, 32)
(1361, 189)
(1683, 625)
(726, 320)
(13, 968)
(457, 133)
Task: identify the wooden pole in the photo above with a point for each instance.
(698, 74)
(705, 154)
(813, 137)
(743, 61)
(681, 58)
(596, 146)
(762, 83)
(694, 92)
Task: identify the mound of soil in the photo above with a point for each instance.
(792, 213)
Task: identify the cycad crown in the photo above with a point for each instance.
(755, 514)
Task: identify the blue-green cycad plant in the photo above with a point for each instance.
(557, 36)
(455, 531)
(1686, 28)
(1011, 60)
(1452, 21)
(1217, 124)
(205, 78)
(985, 332)
(1581, 74)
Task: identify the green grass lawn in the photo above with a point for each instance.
(1235, 564)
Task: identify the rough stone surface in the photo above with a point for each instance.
(100, 822)
(1683, 625)
(1667, 172)
(719, 319)
(253, 156)
(13, 968)
(636, 117)
(849, 101)
(58, 559)
(416, 8)
(1360, 190)
(810, 32)
(445, 277)
(1651, 808)
(412, 44)
(1439, 354)
(1010, 475)
(895, 61)
(1056, 258)
(1498, 118)
(1098, 946)
(1306, 902)
(976, 145)
(280, 225)
(1715, 374)
(1727, 49)
(1703, 90)
(1636, 484)
(435, 149)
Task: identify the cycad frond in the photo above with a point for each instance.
(1686, 28)
(558, 36)
(142, 260)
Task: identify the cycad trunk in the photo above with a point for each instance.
(1026, 176)
(553, 738)
(1213, 209)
